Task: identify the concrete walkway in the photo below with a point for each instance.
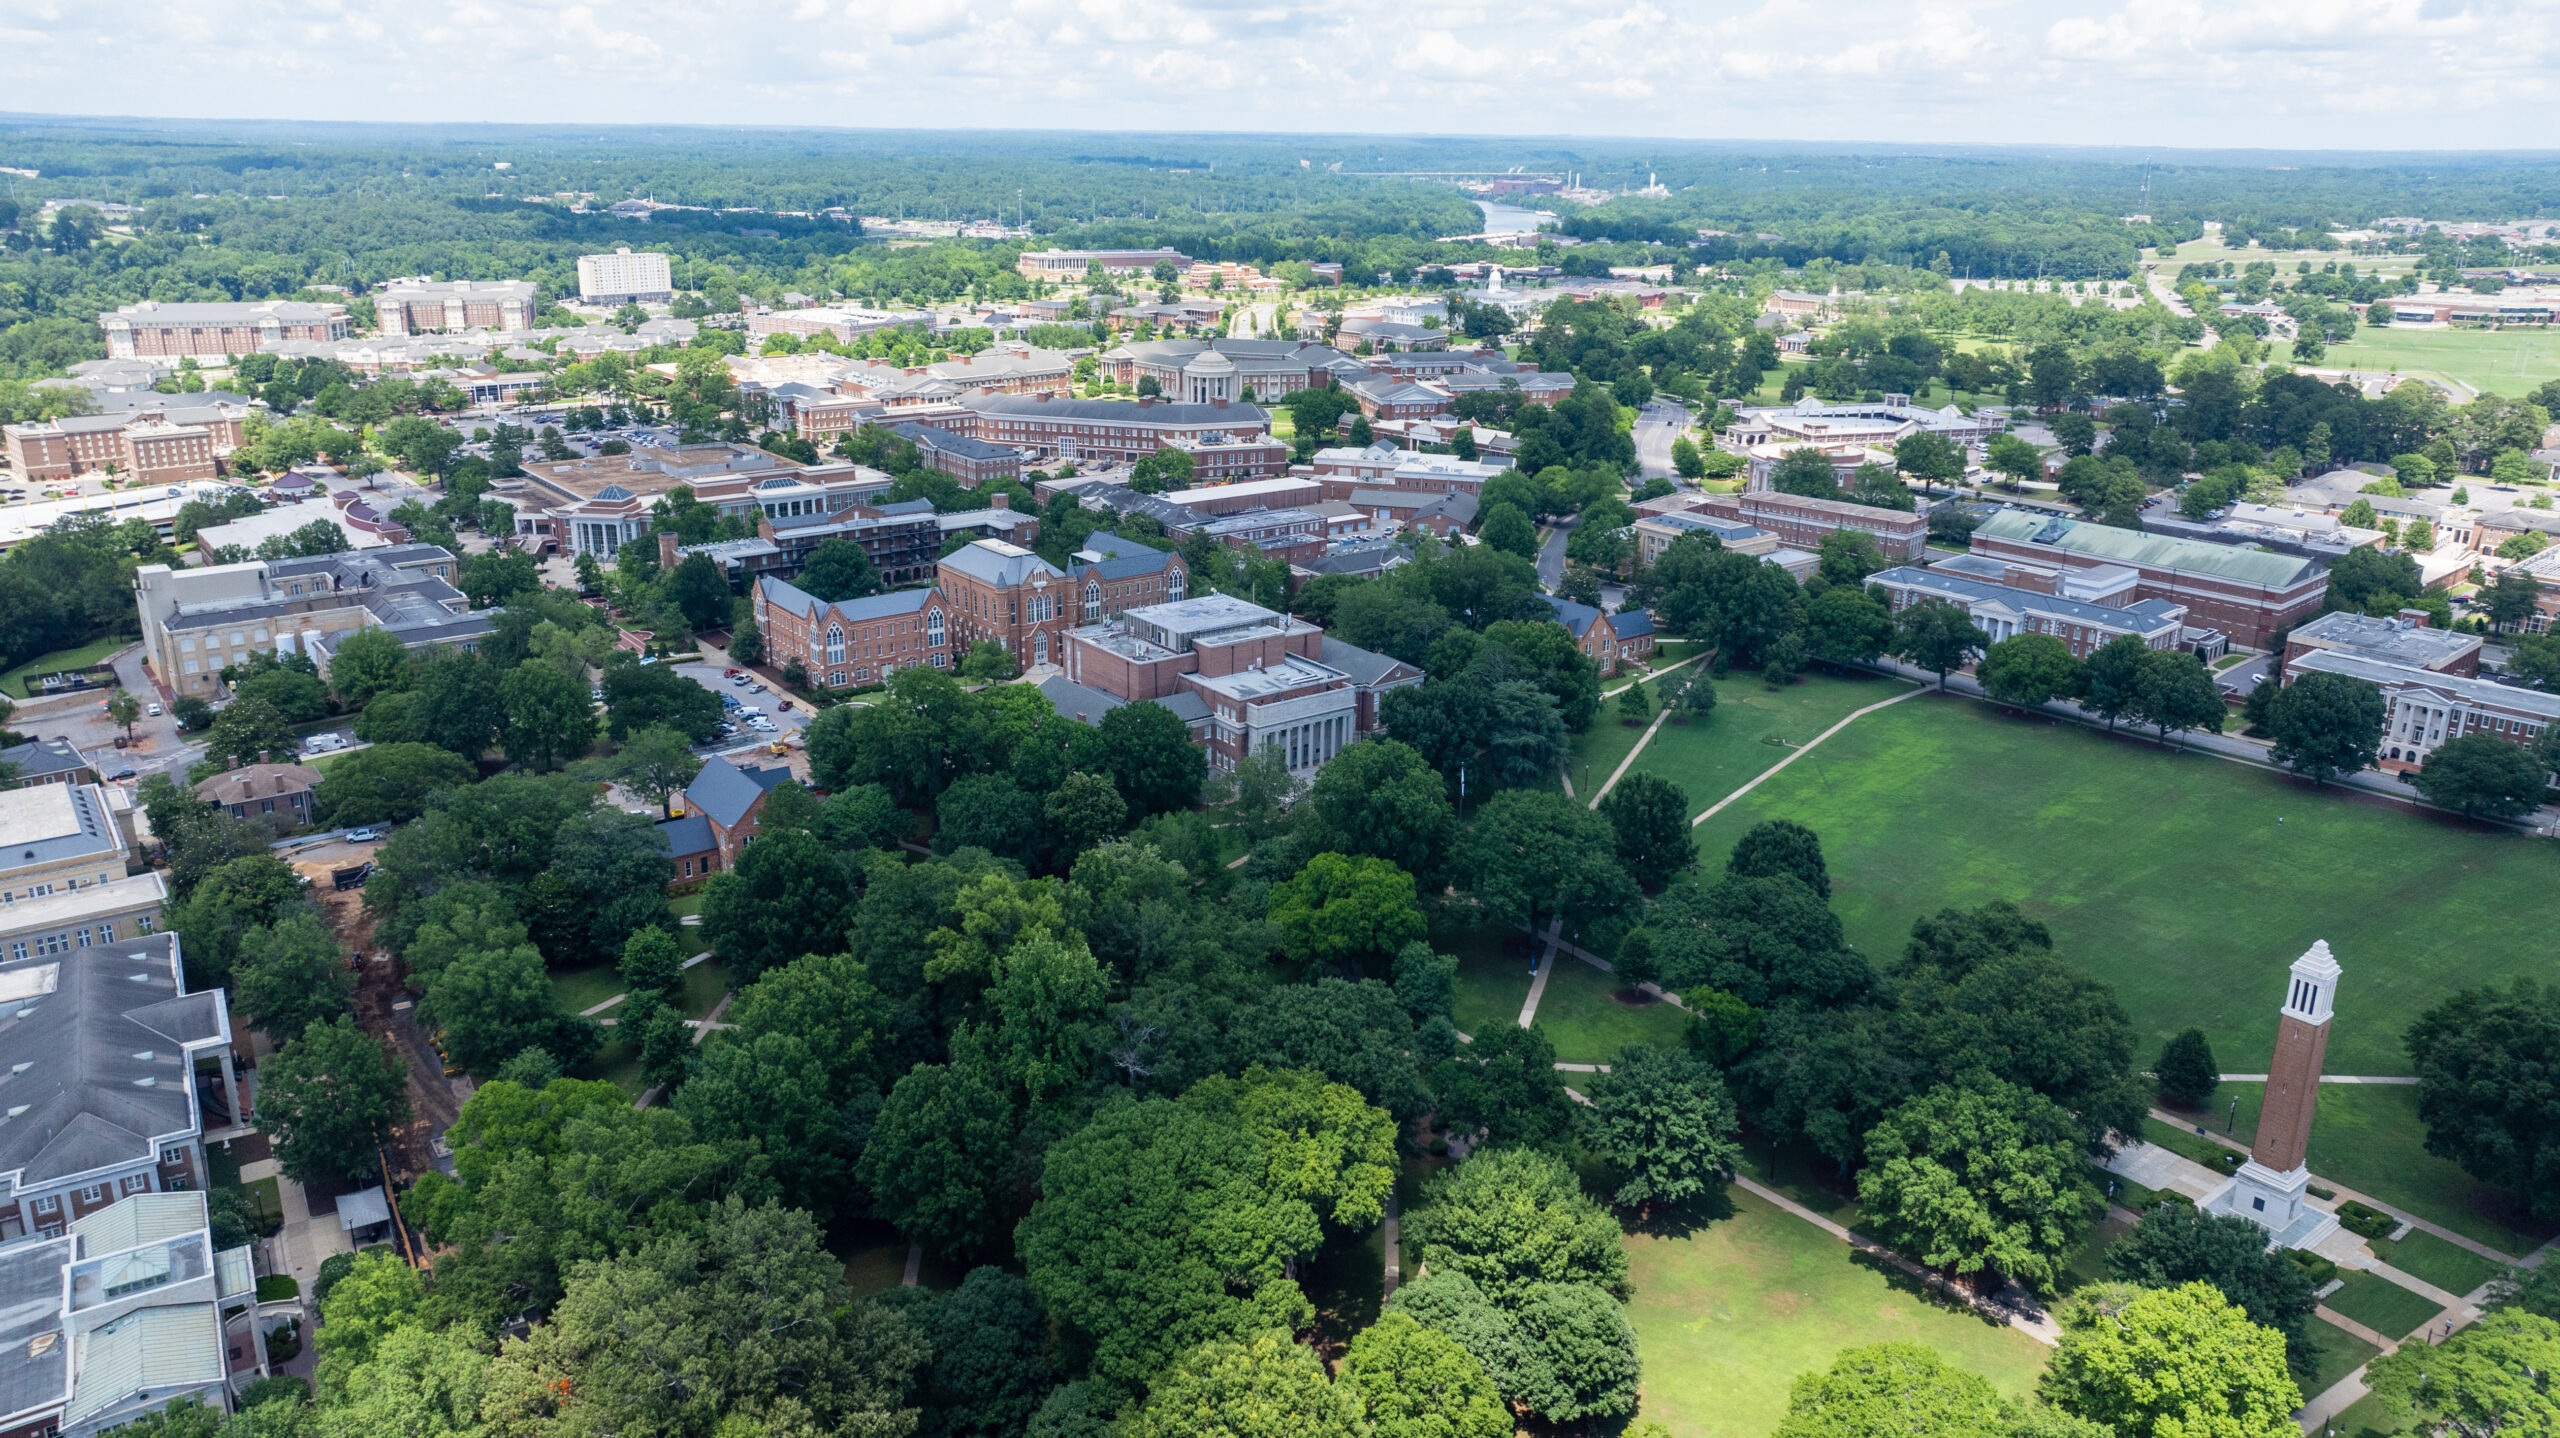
(2018, 1312)
(1538, 979)
(2324, 1078)
(2345, 1193)
(1624, 764)
(1656, 674)
(306, 1239)
(1808, 748)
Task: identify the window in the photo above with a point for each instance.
(93, 1193)
(835, 644)
(933, 628)
(50, 1203)
(836, 680)
(142, 924)
(136, 1183)
(174, 1153)
(1092, 603)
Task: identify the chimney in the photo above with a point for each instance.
(1219, 403)
(1045, 396)
(2413, 618)
(1000, 500)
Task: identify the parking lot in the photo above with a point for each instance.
(755, 693)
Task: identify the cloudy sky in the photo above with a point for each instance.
(2311, 74)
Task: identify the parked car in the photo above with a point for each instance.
(735, 677)
(151, 710)
(365, 835)
(729, 673)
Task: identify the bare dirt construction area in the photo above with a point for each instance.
(384, 1006)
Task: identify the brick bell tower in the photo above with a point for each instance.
(2269, 1189)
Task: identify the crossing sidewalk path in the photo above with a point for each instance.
(1772, 770)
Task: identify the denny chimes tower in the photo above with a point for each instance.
(2269, 1189)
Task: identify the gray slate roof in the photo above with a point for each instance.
(41, 758)
(94, 1068)
(724, 791)
(1117, 411)
(690, 834)
(1361, 665)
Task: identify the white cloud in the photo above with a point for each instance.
(2410, 74)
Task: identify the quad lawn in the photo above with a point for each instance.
(2382, 1305)
(1751, 728)
(1493, 975)
(1728, 1314)
(2448, 1266)
(2368, 1137)
(2341, 1353)
(2163, 872)
(1585, 1020)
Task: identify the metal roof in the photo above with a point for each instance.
(2150, 551)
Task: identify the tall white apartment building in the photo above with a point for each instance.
(624, 278)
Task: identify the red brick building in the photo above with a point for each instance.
(973, 462)
(2249, 594)
(1614, 641)
(155, 330)
(1241, 677)
(1000, 591)
(724, 810)
(1801, 522)
(1227, 440)
(853, 641)
(157, 446)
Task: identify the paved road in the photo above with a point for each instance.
(1551, 555)
(1657, 424)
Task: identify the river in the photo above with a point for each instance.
(1502, 219)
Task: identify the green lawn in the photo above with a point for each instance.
(1729, 1314)
(1584, 1020)
(1800, 1172)
(581, 989)
(1493, 975)
(2193, 1145)
(704, 983)
(14, 682)
(681, 905)
(2382, 1305)
(2341, 1353)
(2368, 1137)
(2367, 1417)
(2163, 872)
(2507, 362)
(2448, 1266)
(1752, 727)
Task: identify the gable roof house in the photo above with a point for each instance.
(727, 801)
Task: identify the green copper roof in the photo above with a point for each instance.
(2157, 551)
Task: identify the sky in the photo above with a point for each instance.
(2288, 74)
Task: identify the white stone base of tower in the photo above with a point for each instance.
(2280, 1203)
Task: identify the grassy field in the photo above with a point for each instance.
(1752, 727)
(2382, 1305)
(1493, 975)
(2368, 1137)
(2341, 1353)
(2164, 873)
(1584, 1020)
(2448, 1266)
(2507, 362)
(1728, 1315)
(14, 682)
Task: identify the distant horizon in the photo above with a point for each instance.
(2412, 77)
(2117, 152)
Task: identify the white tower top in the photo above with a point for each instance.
(2314, 986)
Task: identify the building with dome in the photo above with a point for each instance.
(1209, 378)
